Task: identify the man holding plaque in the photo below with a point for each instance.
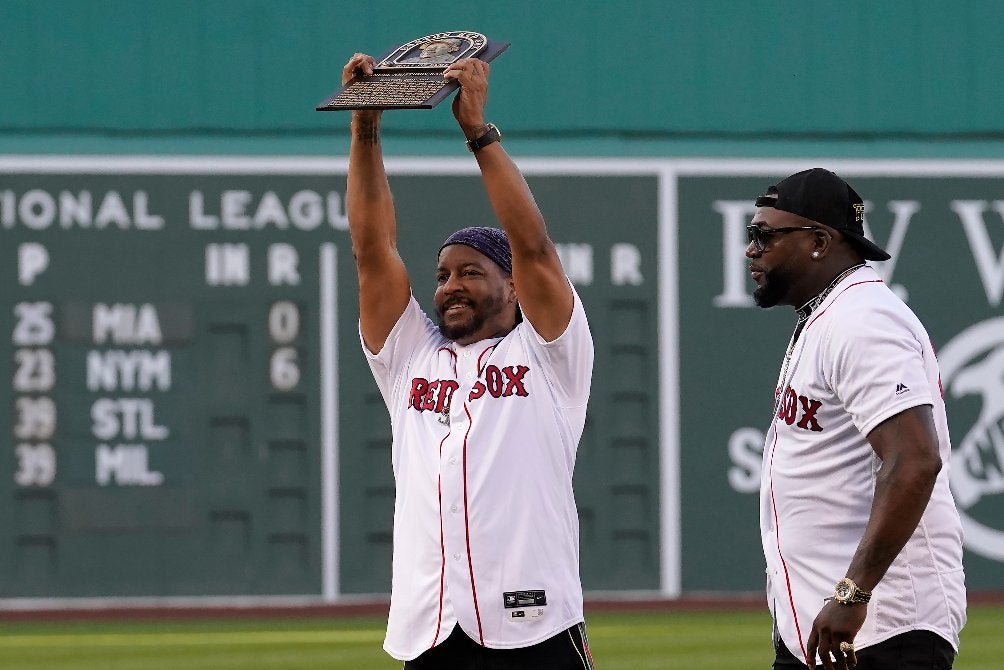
(486, 408)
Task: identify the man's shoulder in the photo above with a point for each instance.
(414, 331)
(855, 302)
(874, 311)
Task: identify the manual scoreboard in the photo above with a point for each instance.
(187, 411)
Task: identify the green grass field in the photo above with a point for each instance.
(693, 640)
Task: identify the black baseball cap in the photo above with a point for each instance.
(823, 197)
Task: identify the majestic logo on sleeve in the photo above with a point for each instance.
(972, 367)
(435, 396)
(792, 407)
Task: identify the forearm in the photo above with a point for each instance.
(543, 291)
(512, 201)
(507, 190)
(902, 491)
(369, 204)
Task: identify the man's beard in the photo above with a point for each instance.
(480, 314)
(771, 291)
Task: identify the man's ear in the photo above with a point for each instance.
(822, 243)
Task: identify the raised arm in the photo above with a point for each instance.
(542, 288)
(384, 289)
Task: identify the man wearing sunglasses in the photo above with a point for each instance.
(861, 536)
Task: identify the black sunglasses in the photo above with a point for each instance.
(761, 236)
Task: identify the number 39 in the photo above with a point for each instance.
(36, 465)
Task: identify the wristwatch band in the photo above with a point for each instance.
(493, 134)
(846, 592)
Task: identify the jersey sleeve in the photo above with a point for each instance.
(412, 330)
(568, 359)
(876, 366)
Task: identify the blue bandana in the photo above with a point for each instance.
(492, 242)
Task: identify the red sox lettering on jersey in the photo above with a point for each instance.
(498, 382)
(790, 405)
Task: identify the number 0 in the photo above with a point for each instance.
(283, 322)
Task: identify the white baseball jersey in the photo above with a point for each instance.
(862, 357)
(485, 527)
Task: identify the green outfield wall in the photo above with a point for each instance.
(185, 407)
(645, 77)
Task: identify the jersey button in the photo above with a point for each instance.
(453, 460)
(456, 557)
(453, 508)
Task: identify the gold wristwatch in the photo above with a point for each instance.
(846, 592)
